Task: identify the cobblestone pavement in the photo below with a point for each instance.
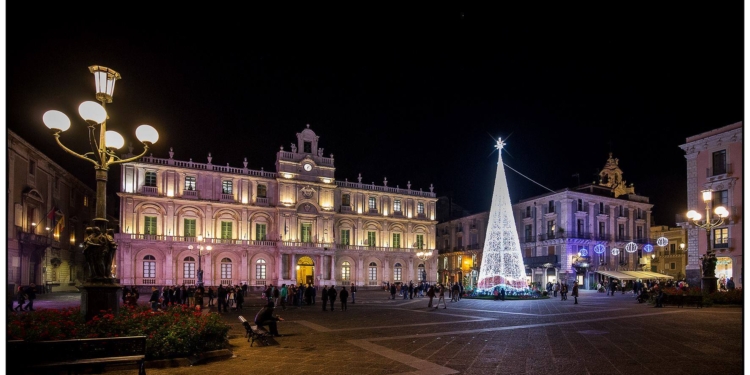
(600, 335)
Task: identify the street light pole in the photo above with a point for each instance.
(709, 259)
(99, 242)
(200, 249)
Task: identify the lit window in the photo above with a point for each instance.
(306, 232)
(188, 268)
(370, 238)
(150, 179)
(421, 272)
(189, 228)
(85, 201)
(373, 272)
(261, 191)
(397, 205)
(226, 268)
(372, 203)
(226, 187)
(397, 272)
(260, 269)
(226, 230)
(345, 237)
(260, 232)
(721, 237)
(149, 225)
(396, 240)
(345, 271)
(345, 200)
(149, 267)
(420, 241)
(420, 208)
(189, 183)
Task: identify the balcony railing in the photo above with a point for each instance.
(346, 208)
(192, 194)
(227, 197)
(726, 169)
(149, 190)
(263, 201)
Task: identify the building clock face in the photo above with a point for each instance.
(308, 167)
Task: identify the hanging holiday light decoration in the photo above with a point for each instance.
(631, 247)
(584, 252)
(615, 251)
(648, 248)
(599, 249)
(662, 241)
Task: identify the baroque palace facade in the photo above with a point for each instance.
(558, 233)
(295, 225)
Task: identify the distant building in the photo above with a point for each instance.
(714, 161)
(670, 259)
(295, 225)
(48, 210)
(560, 233)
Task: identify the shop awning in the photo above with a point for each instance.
(646, 275)
(617, 275)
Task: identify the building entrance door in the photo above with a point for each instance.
(305, 270)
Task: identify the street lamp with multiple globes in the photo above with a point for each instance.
(100, 245)
(200, 249)
(423, 256)
(708, 223)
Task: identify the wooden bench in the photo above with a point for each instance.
(75, 355)
(254, 333)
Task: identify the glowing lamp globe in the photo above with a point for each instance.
(147, 134)
(114, 139)
(56, 120)
(92, 112)
(721, 211)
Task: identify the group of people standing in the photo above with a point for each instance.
(25, 295)
(305, 295)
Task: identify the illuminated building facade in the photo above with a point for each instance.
(48, 210)
(295, 225)
(714, 161)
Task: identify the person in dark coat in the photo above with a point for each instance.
(393, 291)
(575, 292)
(210, 296)
(221, 297)
(343, 296)
(154, 298)
(31, 295)
(332, 293)
(266, 317)
(240, 299)
(309, 292)
(324, 295)
(21, 298)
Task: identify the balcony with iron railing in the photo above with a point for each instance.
(720, 171)
(540, 261)
(723, 244)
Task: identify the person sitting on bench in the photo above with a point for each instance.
(265, 317)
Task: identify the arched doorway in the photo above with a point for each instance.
(305, 270)
(723, 269)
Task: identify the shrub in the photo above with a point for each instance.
(176, 332)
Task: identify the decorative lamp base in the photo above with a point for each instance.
(98, 295)
(708, 284)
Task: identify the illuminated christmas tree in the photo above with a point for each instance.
(502, 263)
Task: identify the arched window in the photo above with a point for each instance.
(373, 273)
(149, 267)
(421, 274)
(226, 271)
(188, 268)
(260, 269)
(397, 272)
(345, 271)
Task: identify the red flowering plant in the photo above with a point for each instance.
(175, 332)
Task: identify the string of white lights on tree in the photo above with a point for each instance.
(502, 263)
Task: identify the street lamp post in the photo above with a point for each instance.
(423, 256)
(200, 249)
(709, 259)
(99, 242)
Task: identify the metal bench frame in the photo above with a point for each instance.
(254, 332)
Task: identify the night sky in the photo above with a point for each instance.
(411, 95)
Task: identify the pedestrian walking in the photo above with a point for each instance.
(353, 289)
(210, 296)
(441, 297)
(283, 295)
(575, 292)
(324, 295)
(20, 298)
(154, 298)
(343, 296)
(30, 296)
(332, 293)
(393, 291)
(502, 294)
(431, 294)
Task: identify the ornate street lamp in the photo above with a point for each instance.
(100, 246)
(424, 255)
(200, 249)
(709, 259)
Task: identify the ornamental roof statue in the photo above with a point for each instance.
(611, 176)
